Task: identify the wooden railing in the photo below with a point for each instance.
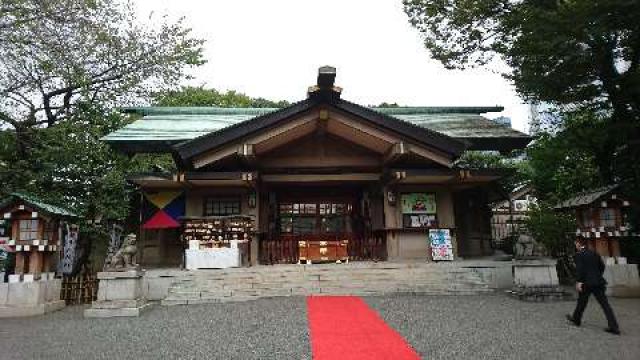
(79, 289)
(278, 250)
(372, 246)
(284, 248)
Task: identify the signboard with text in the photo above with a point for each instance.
(441, 247)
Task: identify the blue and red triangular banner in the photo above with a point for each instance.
(162, 210)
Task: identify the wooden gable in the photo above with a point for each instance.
(333, 133)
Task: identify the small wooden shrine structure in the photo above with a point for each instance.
(34, 231)
(602, 218)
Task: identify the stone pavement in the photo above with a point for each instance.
(438, 327)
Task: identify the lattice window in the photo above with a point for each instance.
(309, 218)
(221, 206)
(28, 230)
(608, 217)
(50, 230)
(587, 218)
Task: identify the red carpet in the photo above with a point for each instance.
(344, 327)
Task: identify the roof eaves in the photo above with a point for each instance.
(586, 197)
(414, 110)
(438, 140)
(41, 206)
(191, 148)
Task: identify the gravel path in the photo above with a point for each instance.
(439, 327)
(264, 329)
(498, 327)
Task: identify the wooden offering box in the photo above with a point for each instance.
(323, 250)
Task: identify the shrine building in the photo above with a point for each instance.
(321, 180)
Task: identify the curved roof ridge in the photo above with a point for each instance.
(214, 110)
(409, 110)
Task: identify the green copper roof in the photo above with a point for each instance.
(38, 204)
(170, 125)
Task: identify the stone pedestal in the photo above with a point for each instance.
(622, 280)
(119, 294)
(537, 280)
(30, 298)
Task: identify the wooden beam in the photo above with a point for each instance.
(251, 178)
(306, 124)
(320, 177)
(397, 151)
(247, 154)
(393, 177)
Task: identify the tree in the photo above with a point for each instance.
(565, 163)
(514, 167)
(576, 55)
(61, 53)
(200, 96)
(70, 166)
(554, 230)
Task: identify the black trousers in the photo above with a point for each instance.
(598, 293)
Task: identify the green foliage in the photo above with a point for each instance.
(567, 162)
(551, 228)
(387, 105)
(200, 96)
(514, 168)
(554, 230)
(580, 55)
(70, 166)
(557, 49)
(58, 54)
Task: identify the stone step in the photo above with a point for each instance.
(242, 284)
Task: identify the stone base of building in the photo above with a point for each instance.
(111, 309)
(119, 294)
(537, 280)
(541, 294)
(535, 273)
(30, 298)
(622, 280)
(40, 309)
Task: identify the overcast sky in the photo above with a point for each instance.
(272, 49)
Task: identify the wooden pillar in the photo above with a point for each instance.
(20, 263)
(36, 263)
(47, 261)
(614, 247)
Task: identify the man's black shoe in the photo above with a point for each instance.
(612, 331)
(570, 318)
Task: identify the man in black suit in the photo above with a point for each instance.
(589, 270)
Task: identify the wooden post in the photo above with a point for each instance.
(35, 263)
(46, 261)
(20, 263)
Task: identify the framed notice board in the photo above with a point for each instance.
(441, 247)
(419, 210)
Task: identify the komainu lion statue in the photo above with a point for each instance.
(124, 258)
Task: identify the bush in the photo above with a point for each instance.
(555, 232)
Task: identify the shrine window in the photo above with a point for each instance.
(50, 231)
(313, 218)
(298, 218)
(608, 217)
(215, 206)
(587, 218)
(28, 230)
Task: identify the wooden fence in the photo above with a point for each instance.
(284, 249)
(79, 289)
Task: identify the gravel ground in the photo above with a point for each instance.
(498, 327)
(438, 327)
(264, 329)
